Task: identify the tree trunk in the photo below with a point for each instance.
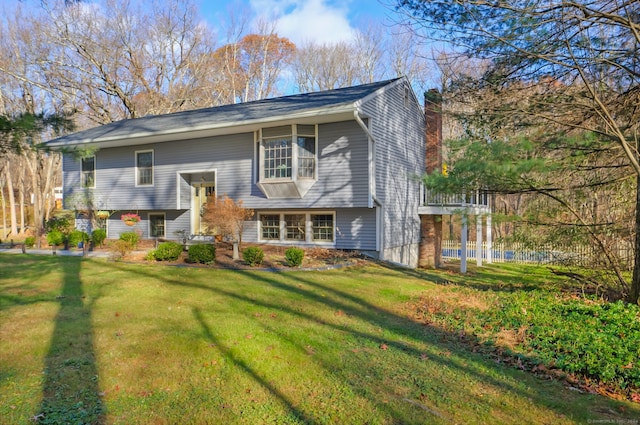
(4, 210)
(634, 290)
(21, 200)
(236, 251)
(12, 202)
(33, 165)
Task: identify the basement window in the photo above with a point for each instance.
(298, 227)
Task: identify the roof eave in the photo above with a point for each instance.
(313, 116)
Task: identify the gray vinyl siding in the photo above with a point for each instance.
(232, 157)
(175, 220)
(341, 162)
(399, 162)
(342, 178)
(355, 228)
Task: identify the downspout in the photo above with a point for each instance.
(372, 196)
(373, 201)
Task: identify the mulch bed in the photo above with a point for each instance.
(274, 257)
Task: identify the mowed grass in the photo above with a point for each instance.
(93, 341)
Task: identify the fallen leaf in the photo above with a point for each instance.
(384, 346)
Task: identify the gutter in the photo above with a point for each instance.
(372, 196)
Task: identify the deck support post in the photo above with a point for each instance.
(489, 241)
(463, 245)
(479, 240)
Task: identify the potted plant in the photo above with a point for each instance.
(130, 219)
(102, 214)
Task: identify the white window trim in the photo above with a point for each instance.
(294, 156)
(308, 228)
(164, 217)
(153, 167)
(95, 174)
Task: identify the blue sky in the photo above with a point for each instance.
(323, 21)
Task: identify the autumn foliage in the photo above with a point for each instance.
(227, 217)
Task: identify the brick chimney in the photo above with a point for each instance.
(430, 249)
(433, 130)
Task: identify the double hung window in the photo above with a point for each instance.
(88, 172)
(144, 168)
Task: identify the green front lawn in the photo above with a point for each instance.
(93, 341)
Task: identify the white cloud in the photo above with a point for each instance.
(307, 20)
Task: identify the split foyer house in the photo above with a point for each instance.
(336, 169)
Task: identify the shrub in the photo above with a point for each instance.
(98, 236)
(55, 238)
(30, 241)
(131, 238)
(253, 256)
(61, 223)
(121, 247)
(294, 256)
(202, 254)
(77, 236)
(166, 251)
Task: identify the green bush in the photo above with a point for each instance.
(131, 238)
(591, 337)
(55, 238)
(166, 251)
(77, 236)
(253, 256)
(61, 223)
(98, 236)
(294, 256)
(30, 241)
(202, 254)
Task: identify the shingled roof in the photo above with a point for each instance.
(223, 119)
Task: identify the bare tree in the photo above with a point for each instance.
(570, 66)
(376, 53)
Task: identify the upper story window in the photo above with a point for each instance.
(281, 158)
(88, 172)
(306, 140)
(287, 160)
(144, 168)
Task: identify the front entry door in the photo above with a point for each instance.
(201, 193)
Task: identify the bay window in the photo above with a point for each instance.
(287, 160)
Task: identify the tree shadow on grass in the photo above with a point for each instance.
(406, 337)
(490, 277)
(227, 352)
(71, 390)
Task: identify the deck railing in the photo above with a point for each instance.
(574, 255)
(470, 198)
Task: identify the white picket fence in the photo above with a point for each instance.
(502, 252)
